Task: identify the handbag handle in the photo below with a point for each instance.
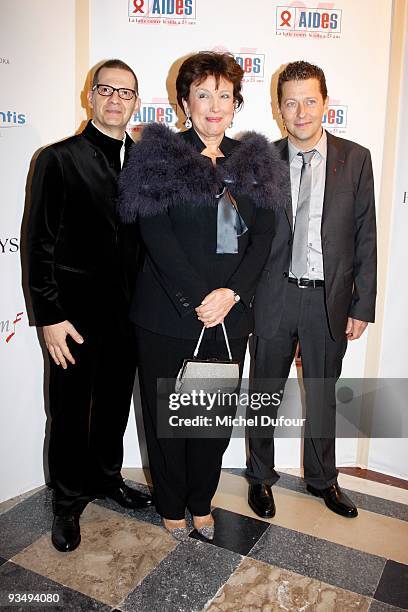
(197, 348)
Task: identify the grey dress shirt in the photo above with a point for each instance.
(318, 164)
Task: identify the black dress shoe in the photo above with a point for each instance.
(129, 498)
(335, 500)
(260, 499)
(66, 534)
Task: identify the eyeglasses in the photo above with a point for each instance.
(107, 90)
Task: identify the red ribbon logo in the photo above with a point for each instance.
(138, 4)
(286, 17)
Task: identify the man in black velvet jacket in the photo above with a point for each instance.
(81, 265)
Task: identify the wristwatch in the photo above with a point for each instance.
(236, 297)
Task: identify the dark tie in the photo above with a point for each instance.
(299, 249)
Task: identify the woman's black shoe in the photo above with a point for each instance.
(66, 534)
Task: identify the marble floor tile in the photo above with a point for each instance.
(185, 580)
(320, 559)
(235, 532)
(16, 579)
(115, 554)
(393, 585)
(23, 524)
(256, 586)
(309, 515)
(10, 503)
(362, 533)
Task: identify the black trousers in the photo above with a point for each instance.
(89, 406)
(185, 472)
(304, 320)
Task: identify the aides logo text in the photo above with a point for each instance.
(154, 112)
(335, 120)
(162, 11)
(252, 64)
(305, 22)
(10, 119)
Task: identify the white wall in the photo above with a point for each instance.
(37, 80)
(391, 455)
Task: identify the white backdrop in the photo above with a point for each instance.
(349, 40)
(386, 454)
(37, 85)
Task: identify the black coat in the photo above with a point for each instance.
(171, 188)
(79, 255)
(348, 234)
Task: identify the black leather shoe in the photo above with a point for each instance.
(129, 498)
(260, 499)
(335, 500)
(66, 534)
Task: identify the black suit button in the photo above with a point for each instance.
(186, 304)
(285, 275)
(289, 242)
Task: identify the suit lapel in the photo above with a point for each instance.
(334, 172)
(282, 146)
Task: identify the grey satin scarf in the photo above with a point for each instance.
(230, 224)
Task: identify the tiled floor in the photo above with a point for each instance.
(305, 559)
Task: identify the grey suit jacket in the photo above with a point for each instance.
(348, 233)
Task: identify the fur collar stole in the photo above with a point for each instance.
(164, 171)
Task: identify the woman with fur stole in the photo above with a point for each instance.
(205, 207)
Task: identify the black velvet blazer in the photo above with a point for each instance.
(79, 254)
(169, 187)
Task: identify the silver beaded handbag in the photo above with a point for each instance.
(212, 373)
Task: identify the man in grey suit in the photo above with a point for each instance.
(318, 287)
